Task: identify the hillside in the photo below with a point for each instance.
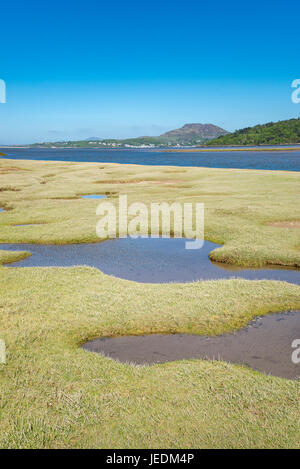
(195, 132)
(189, 134)
(273, 133)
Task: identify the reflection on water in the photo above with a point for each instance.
(145, 260)
(264, 345)
(236, 268)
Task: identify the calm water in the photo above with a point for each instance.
(279, 160)
(264, 345)
(144, 260)
(94, 196)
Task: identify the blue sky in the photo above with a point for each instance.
(126, 68)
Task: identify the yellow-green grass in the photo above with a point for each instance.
(240, 205)
(55, 395)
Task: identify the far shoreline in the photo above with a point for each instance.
(191, 149)
(230, 149)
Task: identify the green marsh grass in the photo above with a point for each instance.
(53, 394)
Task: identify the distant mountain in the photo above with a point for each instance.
(93, 139)
(189, 134)
(273, 133)
(196, 131)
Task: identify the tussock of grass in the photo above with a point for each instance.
(7, 257)
(9, 188)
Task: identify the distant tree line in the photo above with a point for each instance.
(272, 133)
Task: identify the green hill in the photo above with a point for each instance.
(273, 133)
(189, 134)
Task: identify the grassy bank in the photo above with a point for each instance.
(55, 395)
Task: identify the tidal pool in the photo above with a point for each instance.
(264, 345)
(145, 260)
(94, 196)
(30, 224)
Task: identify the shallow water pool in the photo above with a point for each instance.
(264, 345)
(145, 260)
(94, 196)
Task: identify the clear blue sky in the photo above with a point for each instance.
(127, 68)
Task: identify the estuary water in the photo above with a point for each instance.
(269, 160)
